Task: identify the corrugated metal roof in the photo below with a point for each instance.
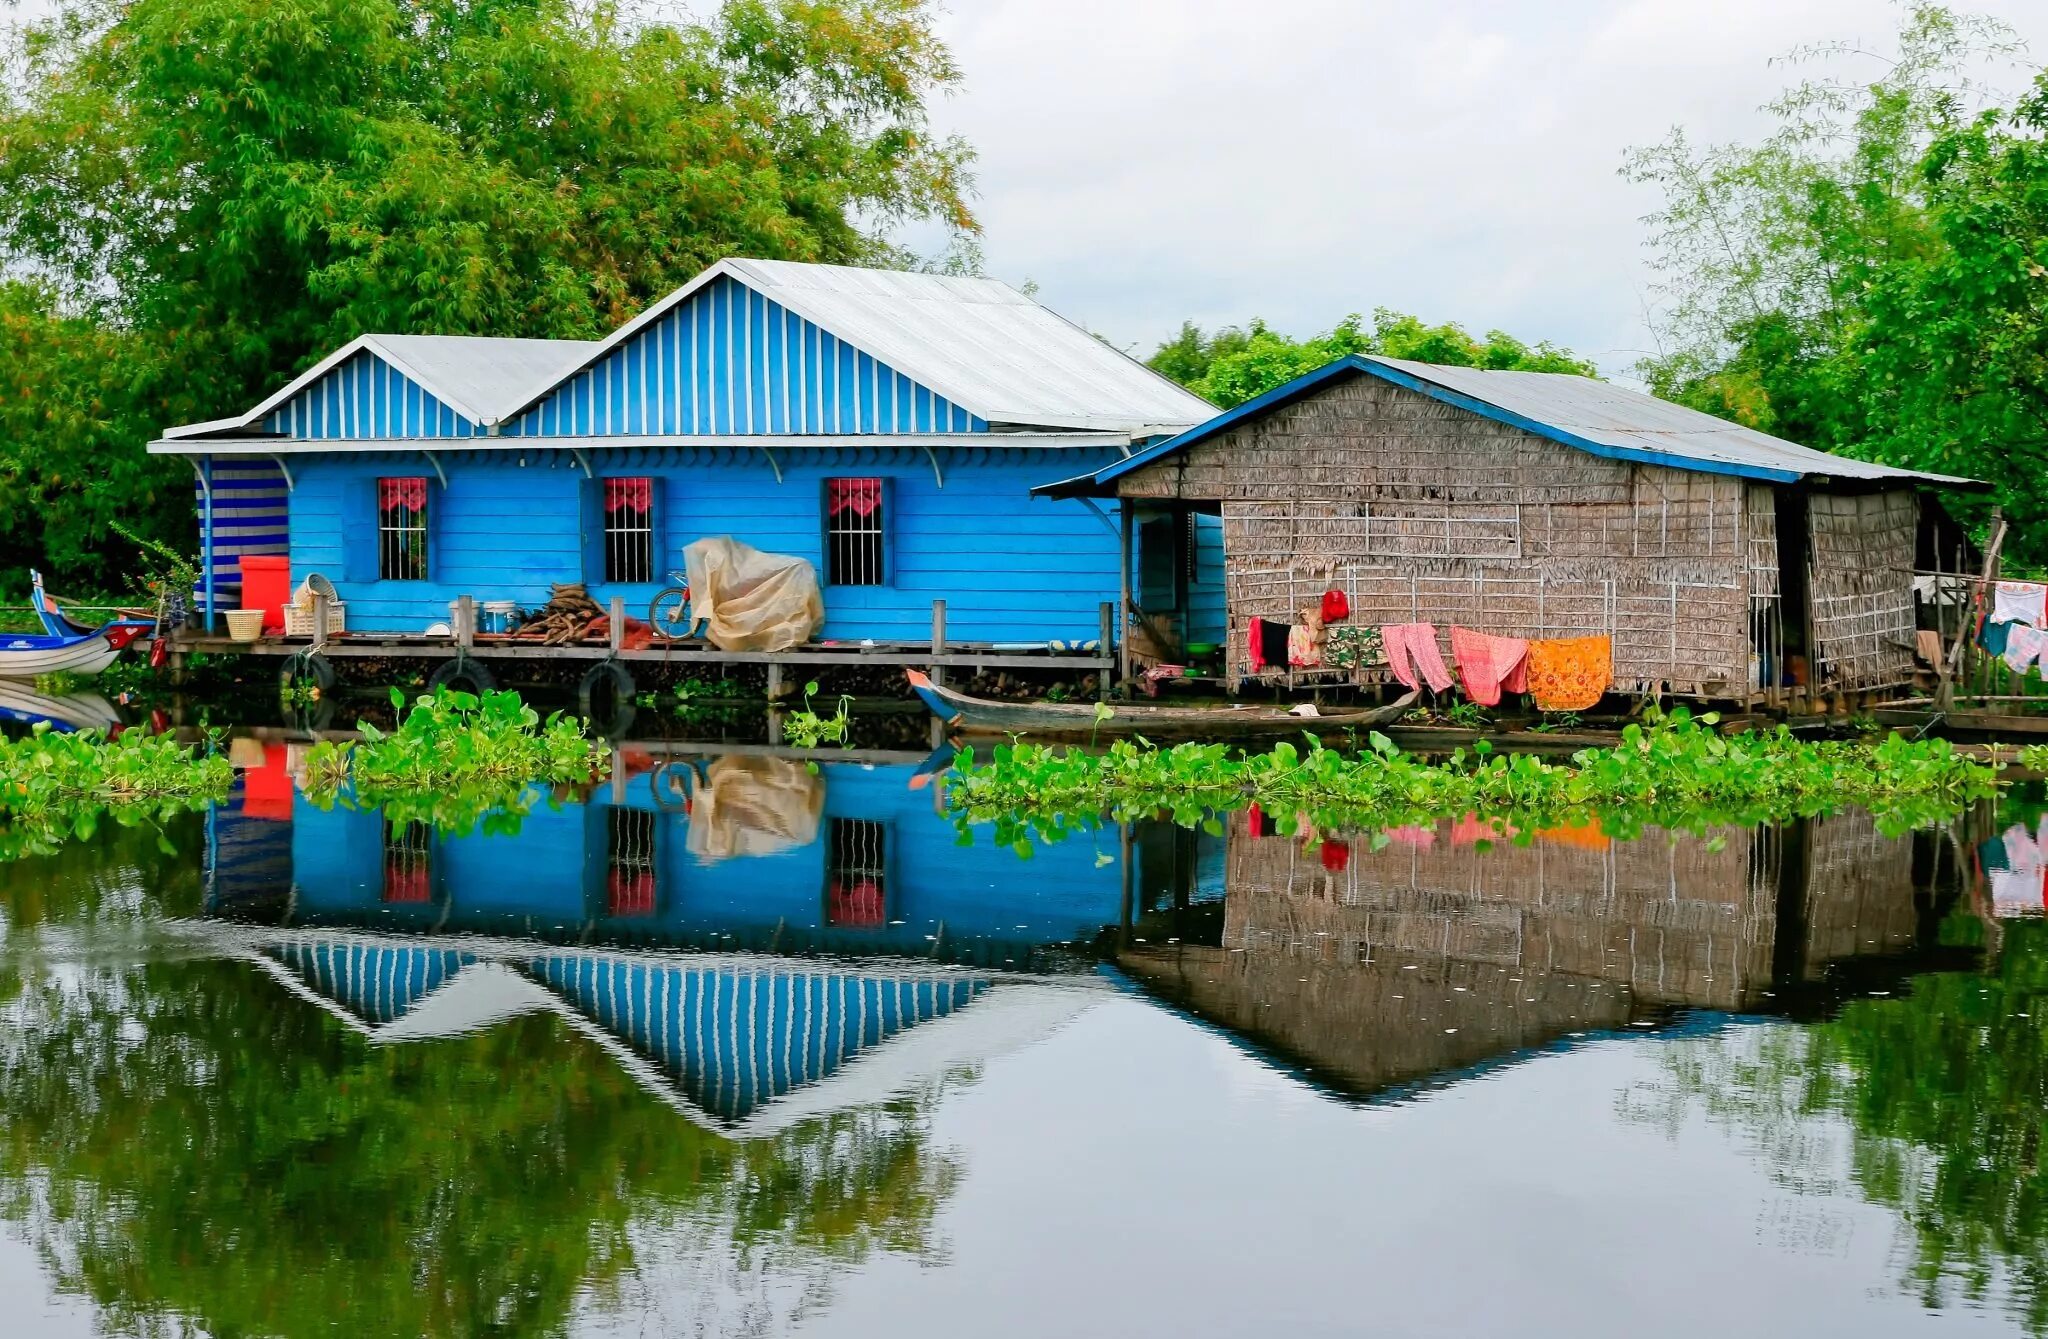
(978, 342)
(1624, 419)
(480, 377)
(490, 376)
(1594, 416)
(981, 344)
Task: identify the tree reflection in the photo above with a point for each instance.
(1942, 1092)
(186, 1143)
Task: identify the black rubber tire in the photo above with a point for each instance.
(469, 675)
(604, 697)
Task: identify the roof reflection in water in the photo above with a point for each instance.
(874, 954)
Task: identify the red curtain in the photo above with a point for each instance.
(408, 883)
(629, 495)
(858, 903)
(408, 493)
(630, 892)
(859, 496)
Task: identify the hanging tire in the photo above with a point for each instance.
(605, 697)
(312, 671)
(465, 674)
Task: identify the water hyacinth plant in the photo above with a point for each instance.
(448, 739)
(1673, 769)
(59, 787)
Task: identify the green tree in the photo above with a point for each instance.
(1863, 279)
(218, 192)
(1234, 365)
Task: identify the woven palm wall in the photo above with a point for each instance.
(1424, 512)
(1863, 550)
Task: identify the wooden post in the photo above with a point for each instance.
(1108, 635)
(938, 641)
(1944, 698)
(465, 621)
(1123, 573)
(617, 623)
(774, 681)
(319, 621)
(618, 776)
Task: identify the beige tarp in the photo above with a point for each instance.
(750, 600)
(754, 806)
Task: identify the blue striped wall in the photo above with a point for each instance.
(378, 983)
(981, 903)
(366, 398)
(1011, 567)
(728, 360)
(734, 1039)
(250, 514)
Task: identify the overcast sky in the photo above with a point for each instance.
(1145, 161)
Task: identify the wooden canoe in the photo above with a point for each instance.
(979, 716)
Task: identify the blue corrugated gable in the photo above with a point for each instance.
(366, 397)
(730, 362)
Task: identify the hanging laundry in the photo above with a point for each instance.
(1303, 651)
(1992, 637)
(1256, 824)
(1486, 664)
(1336, 606)
(2023, 645)
(1411, 836)
(1570, 673)
(1254, 645)
(1413, 655)
(1273, 644)
(1991, 854)
(1927, 645)
(1354, 646)
(2019, 602)
(1336, 856)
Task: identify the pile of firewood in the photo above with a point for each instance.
(567, 617)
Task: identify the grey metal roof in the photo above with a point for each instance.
(1594, 416)
(978, 342)
(480, 377)
(1616, 416)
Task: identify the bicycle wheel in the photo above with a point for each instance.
(671, 613)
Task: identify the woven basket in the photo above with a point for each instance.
(298, 620)
(245, 625)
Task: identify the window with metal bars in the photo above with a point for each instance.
(629, 870)
(856, 871)
(855, 541)
(408, 862)
(629, 529)
(402, 529)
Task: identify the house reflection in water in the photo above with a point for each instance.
(837, 944)
(1375, 971)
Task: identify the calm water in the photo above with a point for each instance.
(739, 1047)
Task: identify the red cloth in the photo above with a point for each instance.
(1413, 655)
(1254, 652)
(859, 903)
(1487, 664)
(1336, 857)
(1336, 606)
(631, 494)
(630, 892)
(639, 635)
(409, 493)
(859, 496)
(1256, 823)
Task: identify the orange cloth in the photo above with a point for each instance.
(1487, 664)
(1585, 836)
(1570, 673)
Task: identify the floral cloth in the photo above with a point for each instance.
(1302, 650)
(1487, 664)
(1570, 673)
(2023, 645)
(1354, 646)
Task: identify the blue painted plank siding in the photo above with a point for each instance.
(1207, 617)
(1011, 567)
(729, 361)
(549, 876)
(366, 397)
(249, 514)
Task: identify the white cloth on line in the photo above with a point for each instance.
(2019, 602)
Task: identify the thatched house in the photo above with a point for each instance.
(1723, 562)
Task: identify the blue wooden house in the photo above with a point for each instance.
(886, 426)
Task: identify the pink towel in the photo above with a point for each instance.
(1488, 664)
(1412, 652)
